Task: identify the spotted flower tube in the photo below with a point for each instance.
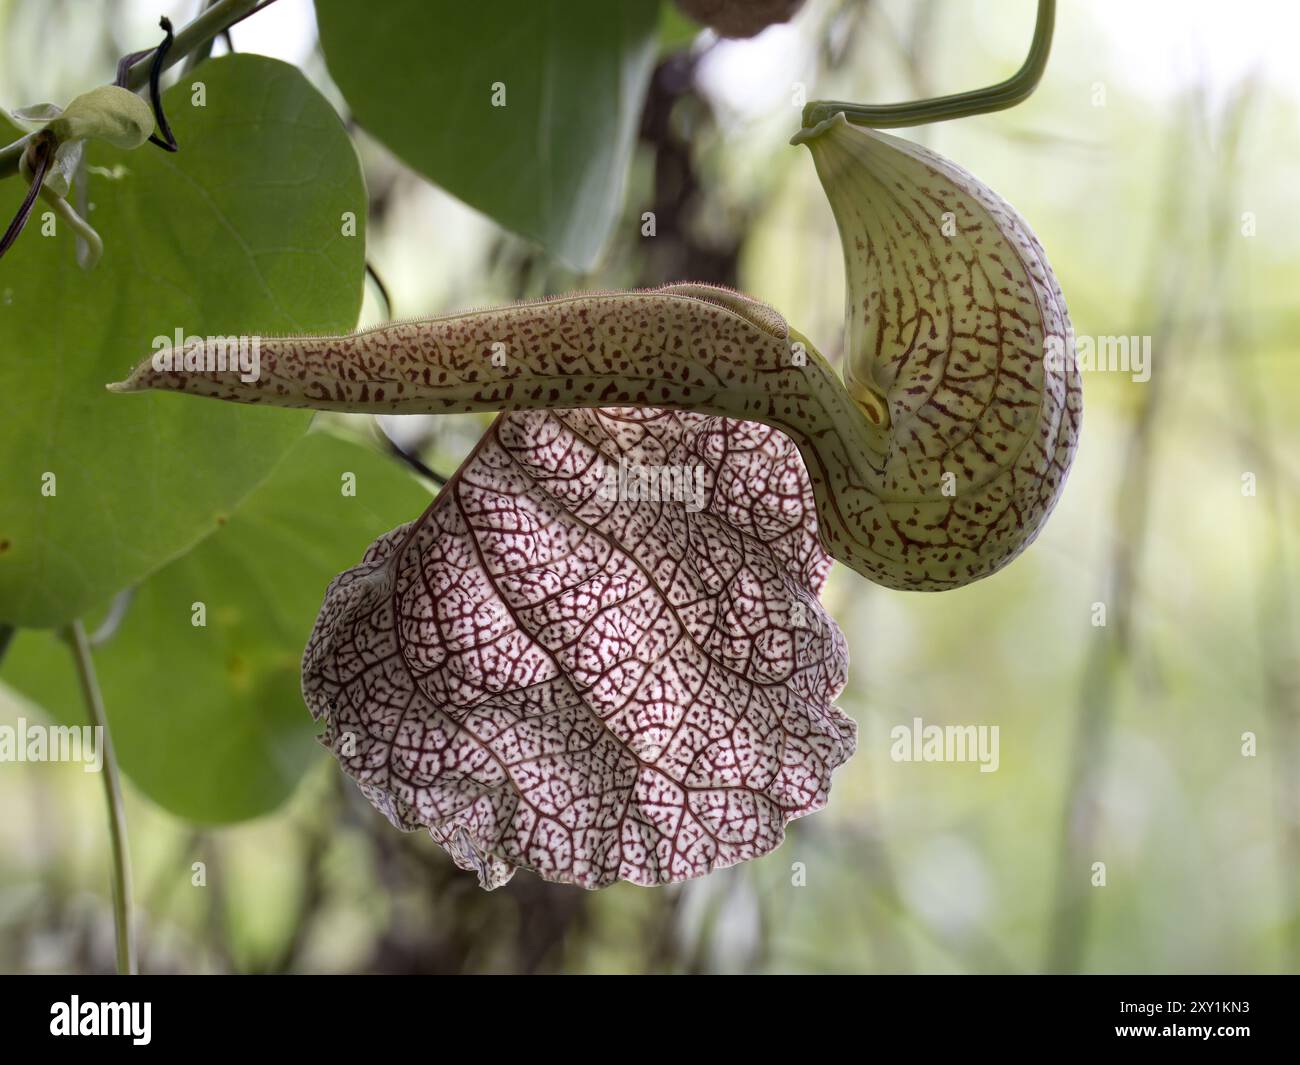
(601, 685)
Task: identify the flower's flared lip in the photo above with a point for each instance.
(809, 133)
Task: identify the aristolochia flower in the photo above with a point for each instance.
(600, 685)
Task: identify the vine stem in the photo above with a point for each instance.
(196, 34)
(123, 919)
(1004, 94)
(204, 50)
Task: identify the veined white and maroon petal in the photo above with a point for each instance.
(548, 676)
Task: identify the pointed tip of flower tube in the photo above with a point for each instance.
(134, 383)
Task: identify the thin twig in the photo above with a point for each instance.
(1111, 649)
(204, 50)
(44, 150)
(373, 274)
(413, 461)
(1274, 602)
(206, 25)
(123, 917)
(167, 142)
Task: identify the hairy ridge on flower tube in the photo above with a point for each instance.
(880, 492)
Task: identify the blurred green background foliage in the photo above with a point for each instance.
(1157, 162)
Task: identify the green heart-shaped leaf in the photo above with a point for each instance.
(208, 720)
(551, 163)
(239, 232)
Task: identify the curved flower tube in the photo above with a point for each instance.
(601, 685)
(934, 462)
